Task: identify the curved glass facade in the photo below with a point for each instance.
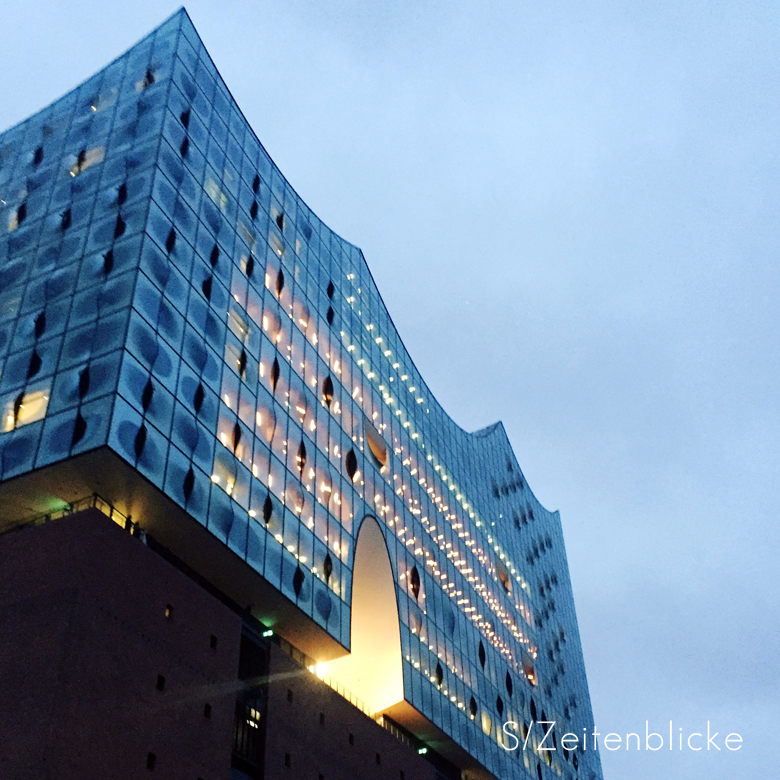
(164, 292)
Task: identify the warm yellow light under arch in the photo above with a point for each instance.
(373, 669)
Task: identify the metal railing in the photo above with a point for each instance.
(90, 502)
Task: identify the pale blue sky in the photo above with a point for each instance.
(571, 212)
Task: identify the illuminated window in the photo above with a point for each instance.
(145, 82)
(265, 419)
(272, 325)
(376, 444)
(276, 244)
(238, 324)
(299, 406)
(216, 194)
(25, 408)
(487, 723)
(86, 158)
(17, 217)
(249, 237)
(103, 99)
(503, 577)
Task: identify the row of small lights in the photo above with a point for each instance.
(491, 600)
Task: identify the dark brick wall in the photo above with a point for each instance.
(84, 643)
(314, 748)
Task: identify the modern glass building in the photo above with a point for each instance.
(181, 336)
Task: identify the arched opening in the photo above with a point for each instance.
(372, 671)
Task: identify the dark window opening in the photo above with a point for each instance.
(509, 685)
(79, 429)
(378, 758)
(151, 759)
(185, 147)
(327, 391)
(500, 706)
(84, 382)
(352, 465)
(256, 183)
(206, 287)
(249, 268)
(140, 441)
(35, 365)
(279, 282)
(188, 484)
(329, 316)
(206, 710)
(289, 695)
(40, 324)
(236, 436)
(268, 508)
(331, 289)
(253, 209)
(414, 582)
(185, 118)
(298, 580)
(147, 80)
(280, 221)
(121, 195)
(322, 719)
(66, 219)
(119, 227)
(213, 642)
(472, 708)
(351, 739)
(147, 395)
(439, 675)
(21, 213)
(214, 256)
(287, 759)
(327, 567)
(481, 654)
(300, 459)
(108, 261)
(275, 371)
(160, 682)
(168, 611)
(38, 156)
(170, 241)
(197, 399)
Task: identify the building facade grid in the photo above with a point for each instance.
(166, 293)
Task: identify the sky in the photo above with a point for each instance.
(571, 212)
